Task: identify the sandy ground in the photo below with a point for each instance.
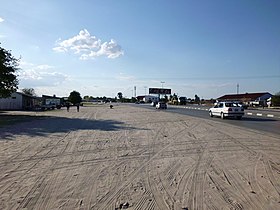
(101, 158)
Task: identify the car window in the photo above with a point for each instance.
(221, 105)
(230, 105)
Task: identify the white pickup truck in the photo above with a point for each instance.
(227, 109)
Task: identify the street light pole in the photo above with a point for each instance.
(162, 84)
(145, 90)
(161, 87)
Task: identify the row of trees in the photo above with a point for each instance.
(175, 97)
(275, 100)
(119, 98)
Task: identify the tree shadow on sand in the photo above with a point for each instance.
(47, 125)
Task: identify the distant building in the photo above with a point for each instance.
(19, 101)
(148, 98)
(248, 98)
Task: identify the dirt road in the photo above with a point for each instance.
(101, 158)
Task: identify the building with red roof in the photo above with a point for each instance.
(247, 98)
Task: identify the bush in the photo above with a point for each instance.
(275, 100)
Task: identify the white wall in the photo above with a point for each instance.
(12, 103)
(150, 98)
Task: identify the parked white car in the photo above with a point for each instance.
(161, 105)
(227, 109)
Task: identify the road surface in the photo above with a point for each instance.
(128, 156)
(260, 120)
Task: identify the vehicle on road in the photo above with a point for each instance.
(161, 105)
(51, 102)
(227, 109)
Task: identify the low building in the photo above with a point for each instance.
(51, 102)
(19, 101)
(148, 98)
(257, 99)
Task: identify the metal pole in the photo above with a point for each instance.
(145, 89)
(162, 86)
(237, 88)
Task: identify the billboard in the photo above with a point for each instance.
(159, 91)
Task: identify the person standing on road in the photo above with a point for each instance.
(78, 107)
(67, 106)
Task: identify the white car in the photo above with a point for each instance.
(161, 105)
(153, 104)
(227, 109)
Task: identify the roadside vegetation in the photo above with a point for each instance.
(276, 100)
(8, 70)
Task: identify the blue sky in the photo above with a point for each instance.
(102, 47)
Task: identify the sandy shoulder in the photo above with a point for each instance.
(101, 158)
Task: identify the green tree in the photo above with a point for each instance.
(75, 97)
(104, 99)
(275, 100)
(133, 99)
(120, 95)
(29, 91)
(86, 98)
(196, 99)
(8, 77)
(174, 97)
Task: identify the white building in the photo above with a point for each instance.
(150, 98)
(18, 101)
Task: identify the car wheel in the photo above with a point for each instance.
(211, 114)
(222, 115)
(239, 117)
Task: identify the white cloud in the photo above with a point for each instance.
(35, 78)
(29, 75)
(2, 20)
(27, 65)
(44, 67)
(111, 49)
(59, 49)
(32, 75)
(23, 64)
(88, 46)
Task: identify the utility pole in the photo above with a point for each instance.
(161, 87)
(237, 88)
(162, 84)
(135, 91)
(145, 90)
